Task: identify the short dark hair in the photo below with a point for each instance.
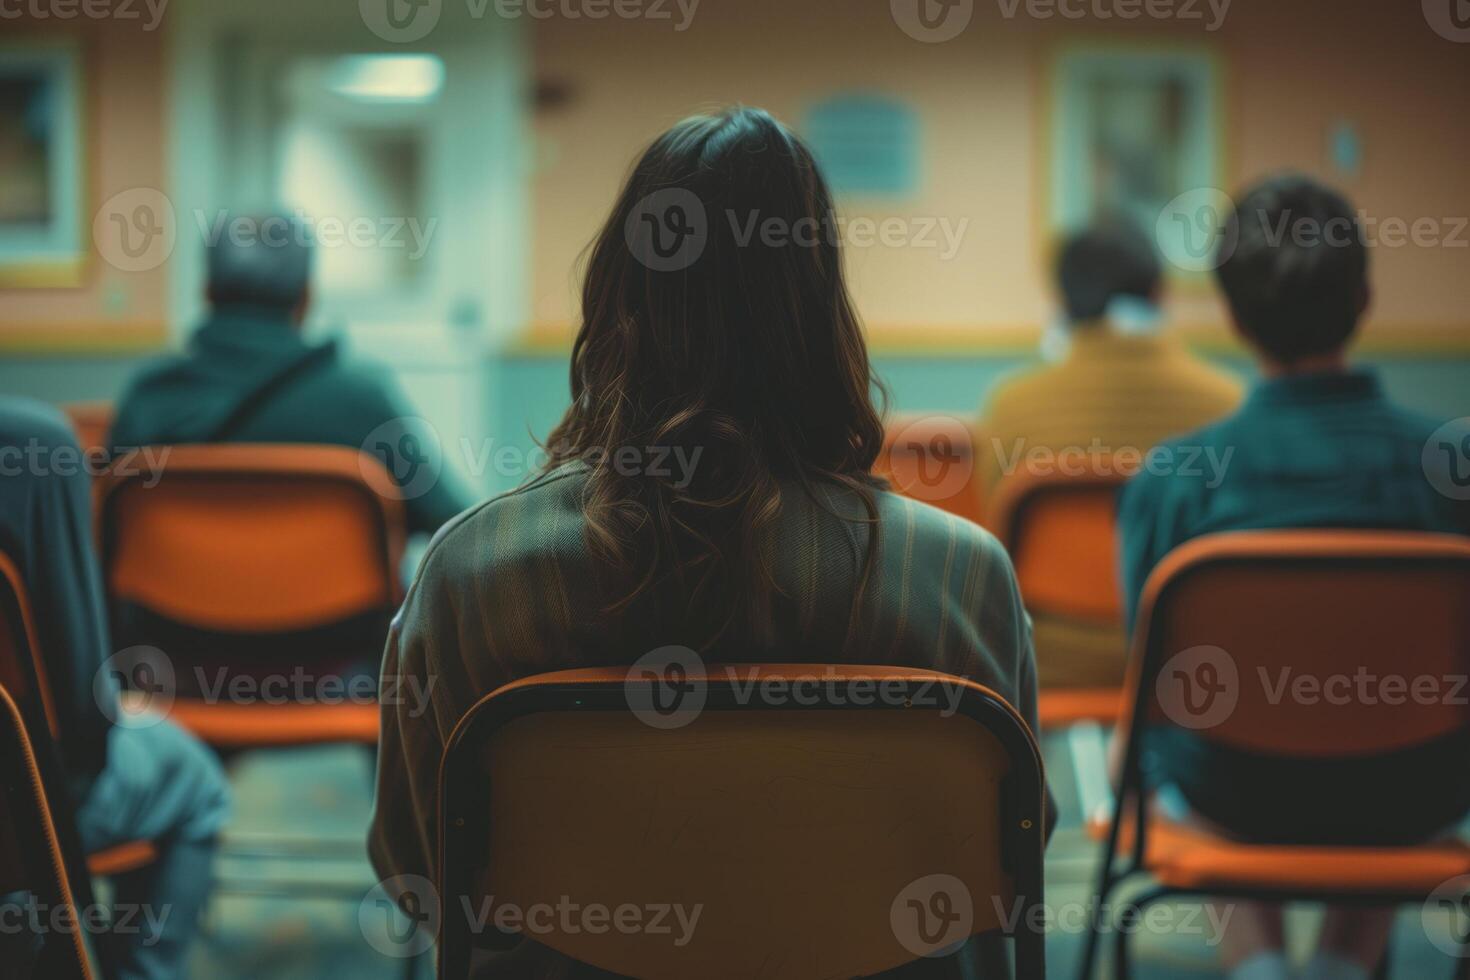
(1110, 260)
(1295, 268)
(259, 260)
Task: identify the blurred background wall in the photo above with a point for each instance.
(516, 131)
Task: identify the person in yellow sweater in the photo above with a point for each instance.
(1117, 387)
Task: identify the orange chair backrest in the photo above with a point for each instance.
(1061, 532)
(811, 838)
(932, 459)
(92, 421)
(254, 538)
(1310, 644)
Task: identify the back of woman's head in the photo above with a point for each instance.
(718, 339)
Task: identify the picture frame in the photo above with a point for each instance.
(1130, 131)
(44, 226)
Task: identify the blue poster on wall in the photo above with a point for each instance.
(866, 144)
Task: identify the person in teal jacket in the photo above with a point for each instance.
(1317, 444)
(248, 375)
(130, 777)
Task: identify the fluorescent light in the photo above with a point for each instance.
(387, 77)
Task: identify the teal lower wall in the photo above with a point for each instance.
(529, 392)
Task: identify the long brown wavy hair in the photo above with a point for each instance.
(716, 320)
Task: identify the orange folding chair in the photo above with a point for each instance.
(1059, 529)
(842, 830)
(92, 421)
(243, 549)
(23, 671)
(1216, 612)
(932, 458)
(33, 862)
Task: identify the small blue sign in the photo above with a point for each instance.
(866, 144)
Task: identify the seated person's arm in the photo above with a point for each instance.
(433, 672)
(1002, 635)
(402, 840)
(65, 586)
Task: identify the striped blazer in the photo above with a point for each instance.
(508, 589)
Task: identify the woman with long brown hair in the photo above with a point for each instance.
(709, 486)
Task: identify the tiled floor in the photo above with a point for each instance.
(308, 914)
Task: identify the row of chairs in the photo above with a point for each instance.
(1320, 600)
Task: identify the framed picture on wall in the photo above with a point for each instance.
(43, 209)
(1134, 130)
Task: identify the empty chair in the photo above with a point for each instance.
(1059, 528)
(879, 816)
(1262, 643)
(261, 562)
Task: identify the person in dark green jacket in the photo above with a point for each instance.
(1317, 444)
(248, 375)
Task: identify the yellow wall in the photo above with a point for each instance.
(1293, 69)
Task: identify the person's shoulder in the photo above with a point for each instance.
(1409, 424)
(1208, 382)
(1214, 378)
(923, 529)
(1019, 391)
(516, 519)
(1169, 469)
(148, 376)
(353, 372)
(24, 420)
